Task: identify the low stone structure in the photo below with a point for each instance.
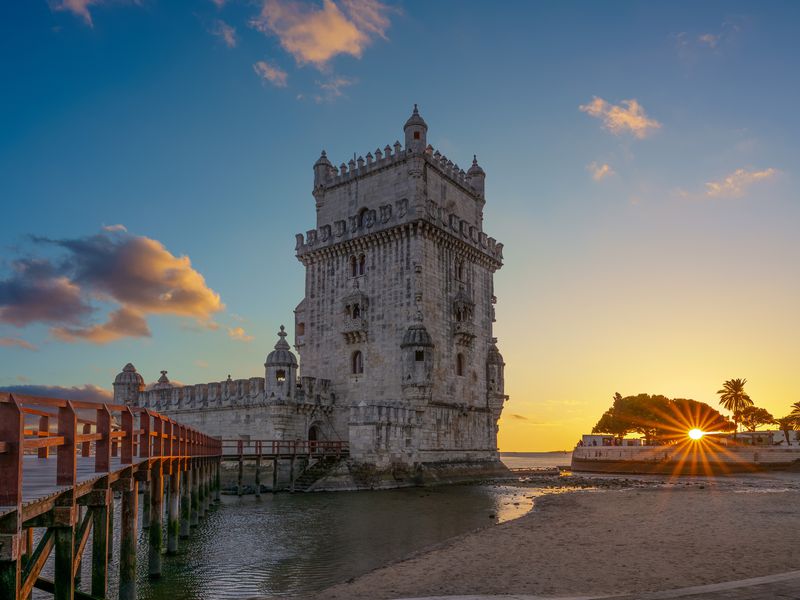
(394, 332)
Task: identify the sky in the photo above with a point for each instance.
(641, 158)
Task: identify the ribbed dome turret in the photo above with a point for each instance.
(281, 356)
(417, 335)
(495, 358)
(415, 120)
(129, 376)
(323, 160)
(475, 169)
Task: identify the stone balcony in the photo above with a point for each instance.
(464, 333)
(354, 330)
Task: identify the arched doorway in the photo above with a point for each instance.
(314, 436)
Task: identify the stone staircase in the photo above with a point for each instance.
(315, 472)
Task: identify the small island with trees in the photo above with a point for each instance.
(655, 434)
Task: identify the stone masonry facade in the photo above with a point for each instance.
(394, 333)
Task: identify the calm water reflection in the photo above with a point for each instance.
(286, 545)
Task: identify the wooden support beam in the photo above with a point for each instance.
(173, 525)
(186, 504)
(127, 540)
(65, 455)
(217, 482)
(64, 581)
(194, 517)
(127, 441)
(274, 475)
(44, 428)
(102, 448)
(258, 470)
(87, 430)
(156, 505)
(291, 475)
(102, 509)
(35, 563)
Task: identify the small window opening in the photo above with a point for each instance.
(419, 355)
(460, 365)
(362, 264)
(459, 315)
(353, 266)
(357, 366)
(301, 329)
(356, 311)
(416, 135)
(280, 376)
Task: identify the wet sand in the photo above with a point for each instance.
(609, 541)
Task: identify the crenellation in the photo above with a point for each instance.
(394, 333)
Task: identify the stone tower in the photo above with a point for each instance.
(127, 385)
(399, 304)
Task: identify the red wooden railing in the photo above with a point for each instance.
(113, 428)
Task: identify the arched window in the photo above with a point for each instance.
(459, 315)
(353, 266)
(280, 375)
(356, 311)
(460, 270)
(357, 366)
(362, 264)
(460, 365)
(419, 355)
(301, 329)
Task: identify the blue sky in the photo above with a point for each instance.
(650, 235)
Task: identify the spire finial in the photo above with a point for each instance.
(474, 160)
(282, 332)
(324, 154)
(416, 110)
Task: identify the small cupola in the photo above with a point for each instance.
(416, 131)
(281, 369)
(476, 176)
(127, 385)
(322, 170)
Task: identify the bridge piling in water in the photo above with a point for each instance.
(72, 497)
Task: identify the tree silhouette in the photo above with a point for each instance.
(754, 416)
(733, 398)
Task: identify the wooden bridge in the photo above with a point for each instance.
(323, 453)
(70, 497)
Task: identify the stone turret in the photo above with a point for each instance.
(324, 171)
(281, 370)
(477, 177)
(127, 386)
(495, 367)
(417, 365)
(416, 131)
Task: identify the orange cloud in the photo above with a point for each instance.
(619, 118)
(600, 172)
(275, 75)
(735, 184)
(317, 34)
(239, 334)
(137, 273)
(9, 342)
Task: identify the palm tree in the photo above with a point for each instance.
(787, 424)
(795, 414)
(733, 398)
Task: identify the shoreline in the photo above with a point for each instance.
(645, 535)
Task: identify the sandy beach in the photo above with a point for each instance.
(610, 541)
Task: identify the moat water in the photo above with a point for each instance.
(289, 545)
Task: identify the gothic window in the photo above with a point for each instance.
(460, 270)
(356, 311)
(353, 266)
(280, 376)
(357, 363)
(419, 355)
(460, 364)
(362, 264)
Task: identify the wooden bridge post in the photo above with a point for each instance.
(206, 485)
(64, 513)
(240, 474)
(144, 452)
(173, 524)
(100, 503)
(127, 538)
(194, 516)
(156, 503)
(258, 469)
(274, 475)
(291, 475)
(217, 482)
(186, 493)
(44, 431)
(12, 434)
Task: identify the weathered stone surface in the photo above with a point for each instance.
(394, 333)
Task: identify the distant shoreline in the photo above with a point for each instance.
(502, 453)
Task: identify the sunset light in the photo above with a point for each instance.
(696, 434)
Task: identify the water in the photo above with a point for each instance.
(288, 545)
(536, 460)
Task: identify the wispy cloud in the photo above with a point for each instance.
(225, 32)
(332, 89)
(239, 334)
(735, 184)
(628, 116)
(87, 393)
(271, 73)
(112, 228)
(137, 273)
(315, 34)
(10, 342)
(709, 39)
(691, 46)
(600, 171)
(77, 7)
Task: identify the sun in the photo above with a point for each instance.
(696, 434)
